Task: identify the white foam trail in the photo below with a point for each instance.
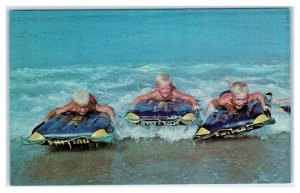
(168, 133)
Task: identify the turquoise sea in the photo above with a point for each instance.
(116, 54)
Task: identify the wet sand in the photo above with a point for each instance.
(248, 160)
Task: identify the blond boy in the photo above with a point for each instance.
(237, 98)
(82, 103)
(165, 90)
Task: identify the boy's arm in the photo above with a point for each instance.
(143, 97)
(260, 98)
(59, 110)
(108, 110)
(188, 98)
(211, 106)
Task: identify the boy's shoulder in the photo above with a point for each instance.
(225, 98)
(152, 93)
(177, 92)
(254, 95)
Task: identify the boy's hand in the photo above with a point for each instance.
(115, 122)
(210, 109)
(265, 107)
(196, 107)
(45, 120)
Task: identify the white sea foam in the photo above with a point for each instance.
(283, 124)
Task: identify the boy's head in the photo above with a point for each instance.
(163, 83)
(240, 93)
(81, 98)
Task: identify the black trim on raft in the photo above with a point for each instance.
(159, 123)
(78, 141)
(37, 127)
(163, 113)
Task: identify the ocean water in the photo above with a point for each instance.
(116, 54)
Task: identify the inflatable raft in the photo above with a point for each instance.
(224, 122)
(72, 129)
(153, 112)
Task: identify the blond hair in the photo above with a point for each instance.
(163, 78)
(81, 97)
(239, 88)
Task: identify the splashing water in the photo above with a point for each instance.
(34, 92)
